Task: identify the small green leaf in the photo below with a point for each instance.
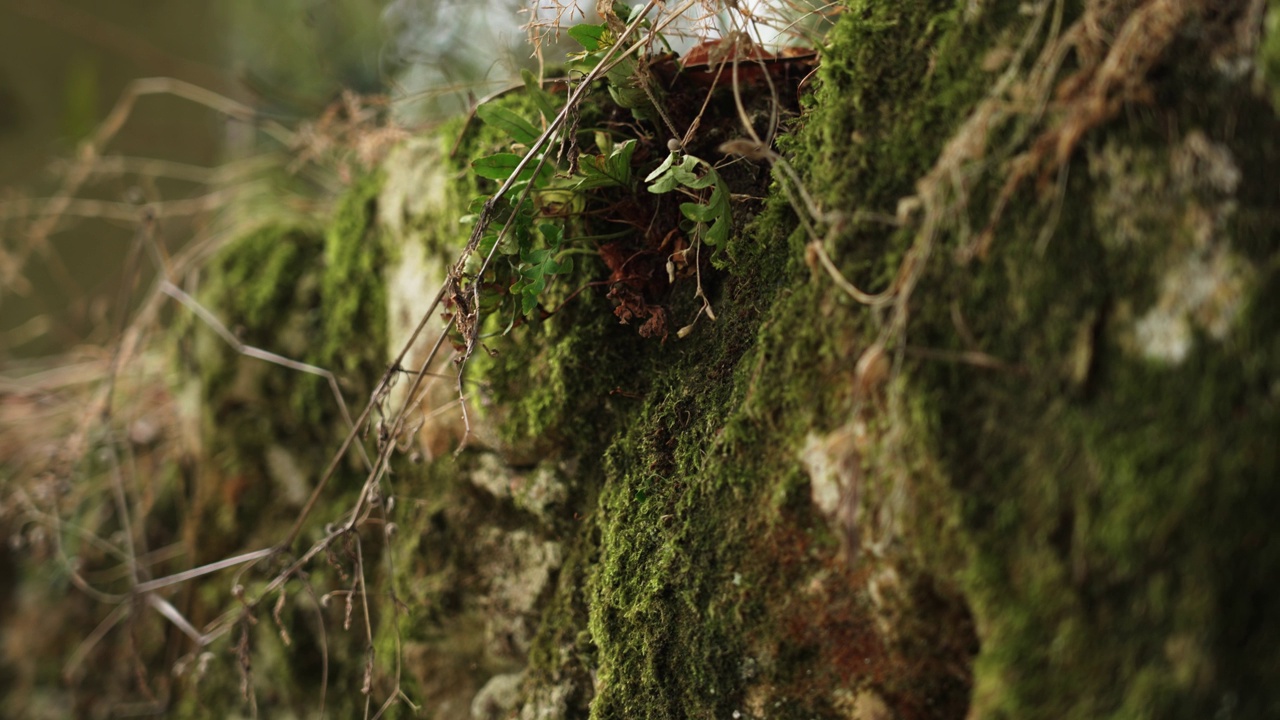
(669, 175)
(522, 225)
(705, 181)
(520, 130)
(666, 165)
(698, 212)
(487, 242)
(665, 184)
(712, 219)
(529, 299)
(552, 235)
(630, 97)
(684, 174)
(474, 210)
(588, 36)
(718, 235)
(538, 265)
(496, 167)
(619, 162)
(500, 166)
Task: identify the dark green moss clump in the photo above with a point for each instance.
(317, 299)
(353, 292)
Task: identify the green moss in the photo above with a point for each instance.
(257, 277)
(353, 292)
(262, 270)
(319, 301)
(1102, 510)
(1018, 456)
(564, 382)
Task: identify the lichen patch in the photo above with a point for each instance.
(1202, 293)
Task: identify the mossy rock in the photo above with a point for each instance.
(1034, 482)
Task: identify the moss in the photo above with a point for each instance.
(1048, 493)
(316, 297)
(564, 382)
(311, 299)
(1029, 468)
(353, 293)
(264, 269)
(1090, 500)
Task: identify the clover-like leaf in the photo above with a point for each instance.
(718, 233)
(698, 212)
(671, 175)
(685, 175)
(713, 219)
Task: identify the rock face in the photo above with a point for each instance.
(989, 431)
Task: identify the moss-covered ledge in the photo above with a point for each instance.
(1049, 501)
(1072, 449)
(1028, 471)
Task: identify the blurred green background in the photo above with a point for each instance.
(65, 63)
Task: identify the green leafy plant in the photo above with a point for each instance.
(530, 228)
(541, 217)
(627, 84)
(711, 218)
(707, 219)
(538, 264)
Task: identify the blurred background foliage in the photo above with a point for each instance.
(65, 63)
